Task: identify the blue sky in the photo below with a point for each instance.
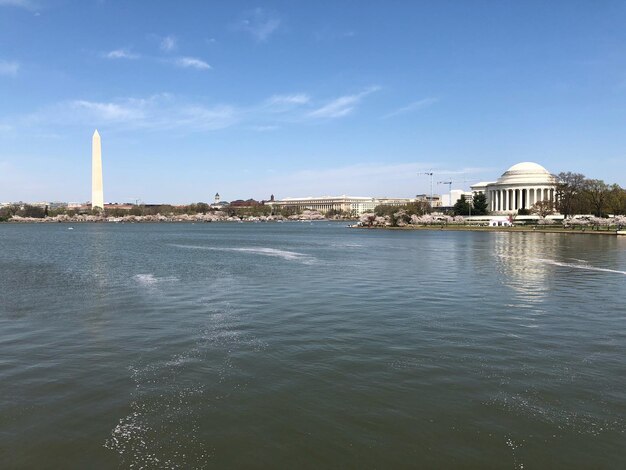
(300, 98)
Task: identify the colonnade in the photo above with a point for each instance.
(514, 199)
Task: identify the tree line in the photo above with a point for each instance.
(577, 194)
(38, 212)
(478, 206)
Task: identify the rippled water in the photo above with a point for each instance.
(308, 345)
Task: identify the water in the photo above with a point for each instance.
(308, 345)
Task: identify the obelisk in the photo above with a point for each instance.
(97, 195)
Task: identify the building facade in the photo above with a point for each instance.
(449, 200)
(520, 187)
(347, 204)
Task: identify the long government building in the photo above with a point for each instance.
(349, 204)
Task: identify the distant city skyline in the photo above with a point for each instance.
(305, 99)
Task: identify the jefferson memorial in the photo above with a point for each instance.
(519, 187)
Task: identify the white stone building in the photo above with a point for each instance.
(348, 204)
(449, 200)
(520, 187)
(356, 205)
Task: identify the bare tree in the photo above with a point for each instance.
(568, 190)
(617, 200)
(597, 192)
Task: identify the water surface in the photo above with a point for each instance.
(309, 345)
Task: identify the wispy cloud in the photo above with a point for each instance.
(373, 179)
(298, 98)
(155, 113)
(131, 110)
(174, 112)
(121, 54)
(341, 106)
(264, 128)
(260, 23)
(327, 34)
(9, 68)
(378, 179)
(163, 112)
(204, 118)
(192, 62)
(414, 106)
(168, 43)
(27, 4)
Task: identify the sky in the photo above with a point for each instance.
(301, 98)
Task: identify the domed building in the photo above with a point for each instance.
(520, 187)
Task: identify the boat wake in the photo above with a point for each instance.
(578, 266)
(263, 251)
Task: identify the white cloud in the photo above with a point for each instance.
(341, 106)
(121, 54)
(192, 62)
(414, 106)
(168, 43)
(260, 23)
(9, 68)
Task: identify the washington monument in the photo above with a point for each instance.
(97, 196)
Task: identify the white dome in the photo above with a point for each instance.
(528, 166)
(526, 173)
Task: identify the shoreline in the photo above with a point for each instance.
(178, 218)
(81, 222)
(465, 228)
(168, 221)
(450, 228)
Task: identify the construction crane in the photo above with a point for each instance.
(449, 183)
(430, 173)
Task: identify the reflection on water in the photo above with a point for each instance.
(517, 263)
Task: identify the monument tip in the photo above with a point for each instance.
(95, 133)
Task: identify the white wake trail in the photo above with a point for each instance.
(585, 267)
